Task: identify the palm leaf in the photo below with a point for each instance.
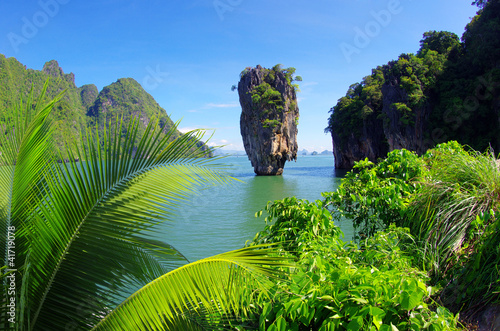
(26, 152)
(198, 294)
(91, 226)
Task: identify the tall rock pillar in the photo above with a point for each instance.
(269, 117)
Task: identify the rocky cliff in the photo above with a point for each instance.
(269, 117)
(448, 90)
(386, 111)
(82, 107)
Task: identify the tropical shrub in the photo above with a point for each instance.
(339, 286)
(375, 195)
(449, 199)
(454, 216)
(293, 223)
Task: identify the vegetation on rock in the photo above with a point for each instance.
(269, 117)
(80, 108)
(448, 90)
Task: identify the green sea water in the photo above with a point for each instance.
(222, 218)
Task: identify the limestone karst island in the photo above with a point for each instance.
(269, 117)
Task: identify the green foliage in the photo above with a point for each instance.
(440, 41)
(17, 82)
(405, 112)
(271, 123)
(267, 97)
(460, 186)
(338, 286)
(449, 199)
(295, 223)
(478, 281)
(374, 196)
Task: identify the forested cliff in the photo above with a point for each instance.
(448, 90)
(81, 107)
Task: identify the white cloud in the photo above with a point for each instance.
(220, 105)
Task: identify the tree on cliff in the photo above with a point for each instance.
(440, 41)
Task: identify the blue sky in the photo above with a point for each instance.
(187, 54)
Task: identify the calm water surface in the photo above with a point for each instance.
(222, 218)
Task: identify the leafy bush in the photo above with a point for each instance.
(338, 286)
(449, 199)
(293, 223)
(374, 196)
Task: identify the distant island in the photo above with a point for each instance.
(82, 107)
(303, 152)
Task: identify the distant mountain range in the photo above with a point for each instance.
(81, 107)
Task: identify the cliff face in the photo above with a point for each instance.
(448, 90)
(387, 121)
(269, 118)
(371, 143)
(81, 107)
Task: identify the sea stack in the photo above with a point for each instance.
(269, 117)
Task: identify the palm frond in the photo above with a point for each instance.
(200, 293)
(91, 226)
(26, 152)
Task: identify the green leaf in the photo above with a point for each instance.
(213, 284)
(410, 300)
(355, 324)
(281, 324)
(377, 315)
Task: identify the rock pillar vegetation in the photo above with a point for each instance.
(269, 117)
